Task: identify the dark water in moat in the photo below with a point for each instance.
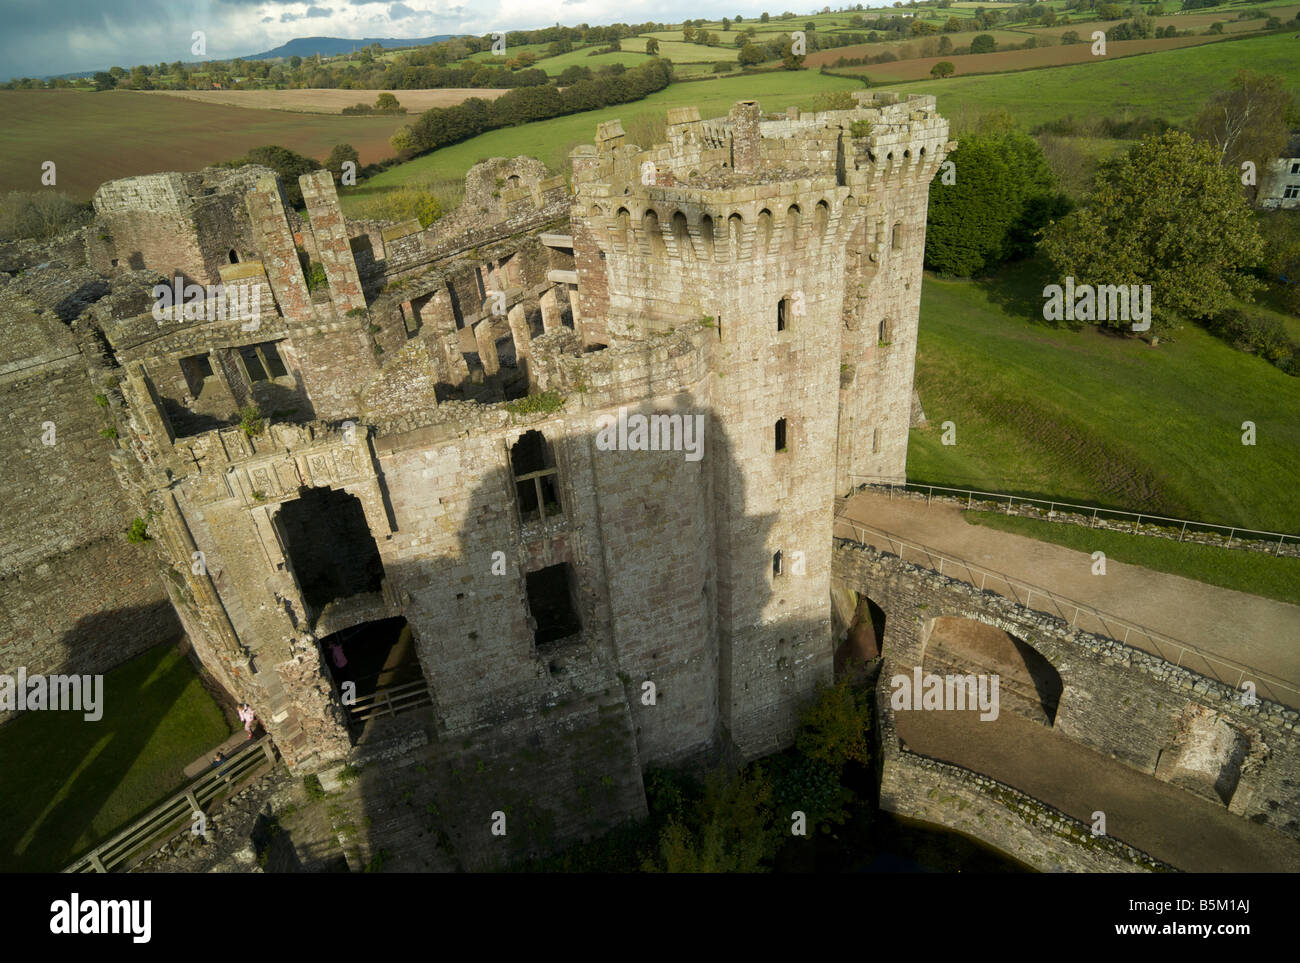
(898, 845)
(879, 842)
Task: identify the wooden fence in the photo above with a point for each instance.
(176, 815)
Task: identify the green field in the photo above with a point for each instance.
(1171, 84)
(1252, 572)
(1081, 415)
(551, 140)
(69, 783)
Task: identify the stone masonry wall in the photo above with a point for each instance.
(1117, 700)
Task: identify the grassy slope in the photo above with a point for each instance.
(1090, 417)
(1252, 572)
(69, 783)
(551, 140)
(1171, 84)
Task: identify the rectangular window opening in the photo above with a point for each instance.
(552, 604)
(780, 434)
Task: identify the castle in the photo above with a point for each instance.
(397, 452)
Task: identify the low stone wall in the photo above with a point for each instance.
(1290, 546)
(1009, 820)
(1119, 701)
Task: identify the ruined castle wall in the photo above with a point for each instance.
(75, 596)
(1154, 697)
(656, 532)
(452, 500)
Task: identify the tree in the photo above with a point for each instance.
(944, 68)
(652, 47)
(983, 43)
(1168, 215)
(103, 80)
(688, 32)
(789, 59)
(1247, 122)
(341, 154)
(945, 46)
(1004, 192)
(764, 18)
(290, 165)
(726, 24)
(750, 55)
(295, 61)
(387, 102)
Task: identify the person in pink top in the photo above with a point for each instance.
(247, 717)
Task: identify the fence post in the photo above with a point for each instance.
(97, 863)
(1137, 523)
(1279, 545)
(1009, 500)
(269, 750)
(1230, 534)
(1183, 532)
(968, 497)
(194, 803)
(1093, 523)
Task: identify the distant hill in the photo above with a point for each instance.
(330, 46)
(303, 47)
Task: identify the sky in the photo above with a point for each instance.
(46, 37)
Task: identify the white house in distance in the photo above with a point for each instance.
(1280, 185)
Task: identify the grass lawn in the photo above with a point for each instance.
(1080, 415)
(551, 140)
(1172, 84)
(69, 783)
(1253, 572)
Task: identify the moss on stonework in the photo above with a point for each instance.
(545, 402)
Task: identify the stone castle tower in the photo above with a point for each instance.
(400, 451)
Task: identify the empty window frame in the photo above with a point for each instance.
(552, 604)
(196, 369)
(536, 478)
(780, 434)
(1292, 191)
(262, 361)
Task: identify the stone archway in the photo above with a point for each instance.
(859, 630)
(1029, 685)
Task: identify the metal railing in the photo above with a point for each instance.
(1069, 611)
(177, 813)
(1245, 534)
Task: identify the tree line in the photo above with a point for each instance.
(613, 84)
